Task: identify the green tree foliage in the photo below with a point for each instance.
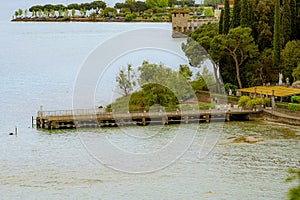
(226, 25)
(16, 14)
(35, 8)
(203, 36)
(208, 12)
(294, 192)
(276, 35)
(213, 3)
(263, 69)
(239, 45)
(185, 71)
(73, 6)
(128, 17)
(293, 19)
(73, 12)
(244, 13)
(285, 23)
(235, 22)
(125, 80)
(46, 13)
(221, 22)
(40, 13)
(157, 3)
(108, 12)
(82, 12)
(159, 74)
(154, 93)
(20, 12)
(262, 24)
(66, 13)
(97, 6)
(296, 73)
(60, 13)
(290, 57)
(59, 7)
(298, 21)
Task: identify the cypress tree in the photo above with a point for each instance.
(226, 17)
(285, 23)
(236, 14)
(293, 19)
(244, 13)
(276, 35)
(221, 22)
(298, 26)
(250, 14)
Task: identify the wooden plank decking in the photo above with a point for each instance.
(95, 118)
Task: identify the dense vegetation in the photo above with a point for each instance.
(159, 86)
(255, 42)
(149, 10)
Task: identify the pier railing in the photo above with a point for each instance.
(100, 111)
(69, 112)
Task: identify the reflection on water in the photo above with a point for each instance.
(55, 163)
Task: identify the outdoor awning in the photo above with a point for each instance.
(279, 91)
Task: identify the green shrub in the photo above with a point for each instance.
(267, 102)
(206, 106)
(282, 105)
(243, 101)
(294, 106)
(129, 17)
(247, 102)
(295, 99)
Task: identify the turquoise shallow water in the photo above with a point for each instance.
(39, 64)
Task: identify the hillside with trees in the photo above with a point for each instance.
(254, 42)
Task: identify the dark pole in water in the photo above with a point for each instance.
(16, 131)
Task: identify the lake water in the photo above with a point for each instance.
(39, 63)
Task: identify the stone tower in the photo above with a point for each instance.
(180, 20)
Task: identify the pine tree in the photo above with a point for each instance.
(221, 22)
(285, 23)
(236, 14)
(293, 19)
(244, 13)
(276, 35)
(226, 17)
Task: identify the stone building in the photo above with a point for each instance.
(183, 24)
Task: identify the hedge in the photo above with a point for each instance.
(294, 106)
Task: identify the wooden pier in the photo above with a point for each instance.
(95, 118)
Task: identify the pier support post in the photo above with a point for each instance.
(186, 119)
(207, 118)
(144, 121)
(273, 101)
(227, 117)
(164, 120)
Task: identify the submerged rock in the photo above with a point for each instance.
(247, 139)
